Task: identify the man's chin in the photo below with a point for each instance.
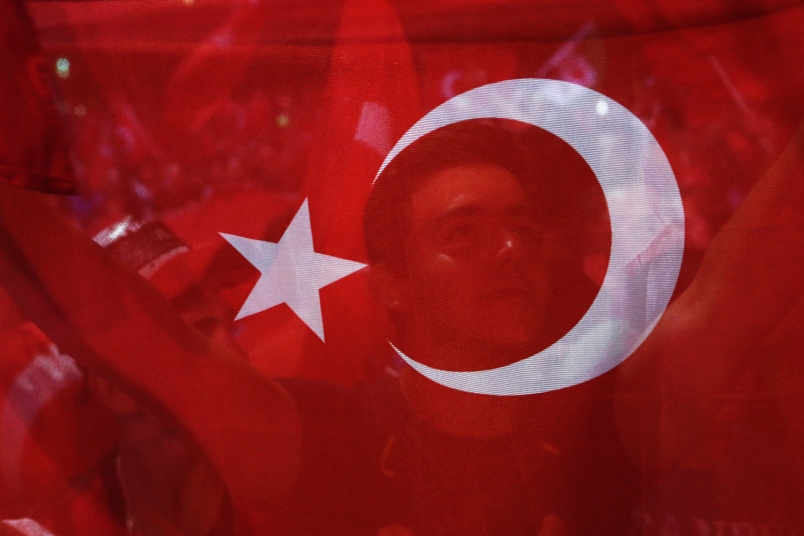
(505, 346)
(519, 339)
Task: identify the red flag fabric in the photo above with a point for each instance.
(458, 268)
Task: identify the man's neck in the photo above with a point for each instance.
(458, 413)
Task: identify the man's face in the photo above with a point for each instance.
(476, 275)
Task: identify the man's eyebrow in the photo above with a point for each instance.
(462, 211)
(527, 212)
(466, 211)
(521, 210)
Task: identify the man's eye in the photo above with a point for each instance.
(527, 232)
(461, 232)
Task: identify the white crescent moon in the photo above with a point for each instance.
(647, 228)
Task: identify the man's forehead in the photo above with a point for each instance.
(466, 189)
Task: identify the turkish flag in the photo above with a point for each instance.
(458, 268)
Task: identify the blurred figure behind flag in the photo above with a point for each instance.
(32, 153)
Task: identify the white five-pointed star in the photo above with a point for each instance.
(292, 272)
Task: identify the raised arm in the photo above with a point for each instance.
(751, 279)
(113, 322)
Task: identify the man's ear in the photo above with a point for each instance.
(390, 290)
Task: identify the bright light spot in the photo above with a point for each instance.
(63, 67)
(602, 107)
(188, 2)
(80, 110)
(282, 120)
(223, 39)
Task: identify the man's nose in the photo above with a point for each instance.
(519, 245)
(510, 246)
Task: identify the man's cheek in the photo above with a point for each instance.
(433, 275)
